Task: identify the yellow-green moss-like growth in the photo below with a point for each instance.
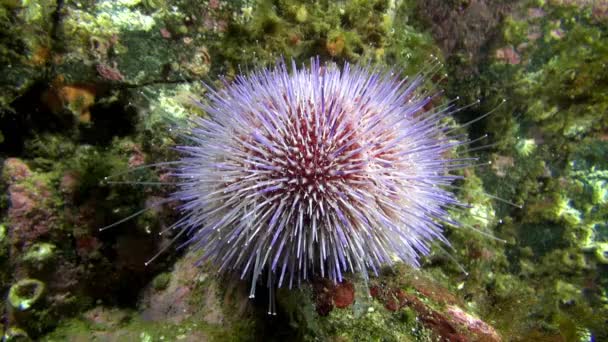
(550, 155)
(25, 293)
(356, 31)
(15, 334)
(554, 72)
(39, 253)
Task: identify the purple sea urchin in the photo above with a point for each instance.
(322, 170)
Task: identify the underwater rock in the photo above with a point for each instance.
(25, 47)
(189, 306)
(104, 40)
(189, 294)
(15, 170)
(437, 309)
(405, 304)
(32, 213)
(75, 99)
(480, 329)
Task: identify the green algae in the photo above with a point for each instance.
(196, 320)
(24, 45)
(601, 252)
(375, 324)
(70, 184)
(5, 276)
(366, 319)
(161, 281)
(39, 253)
(549, 137)
(554, 88)
(87, 166)
(548, 158)
(2, 233)
(135, 329)
(355, 31)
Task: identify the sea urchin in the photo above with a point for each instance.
(320, 170)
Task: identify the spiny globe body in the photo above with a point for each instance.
(317, 170)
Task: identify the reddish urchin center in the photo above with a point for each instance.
(310, 162)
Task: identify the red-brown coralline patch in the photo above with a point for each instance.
(343, 294)
(327, 295)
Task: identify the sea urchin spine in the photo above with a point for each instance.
(319, 170)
